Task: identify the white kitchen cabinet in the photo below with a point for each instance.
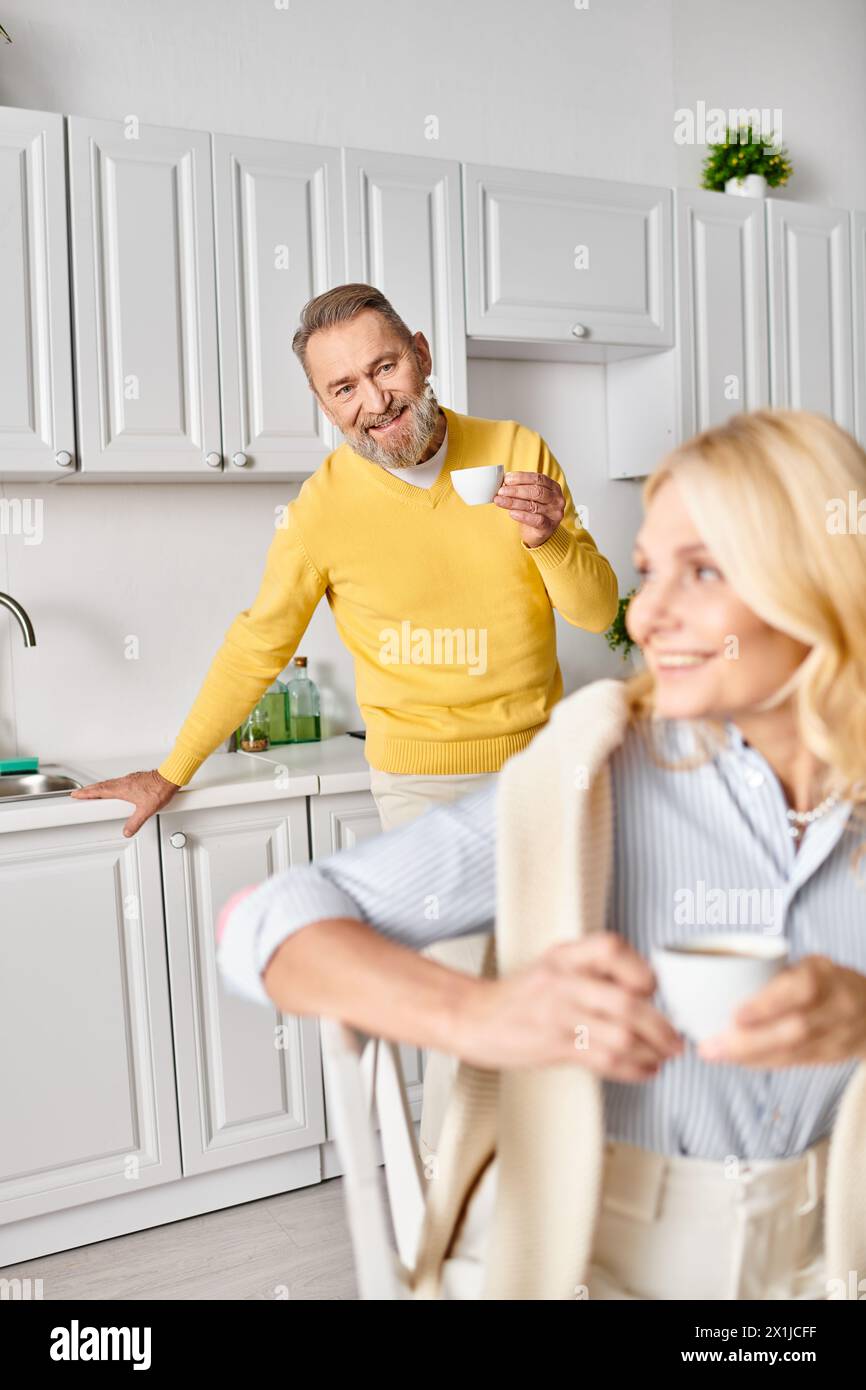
(144, 300)
(341, 820)
(858, 246)
(279, 236)
(36, 415)
(558, 259)
(249, 1080)
(87, 1094)
(811, 332)
(722, 286)
(403, 235)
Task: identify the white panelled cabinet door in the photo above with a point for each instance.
(552, 258)
(403, 235)
(721, 276)
(87, 1094)
(37, 438)
(144, 300)
(341, 820)
(811, 333)
(858, 232)
(279, 243)
(249, 1079)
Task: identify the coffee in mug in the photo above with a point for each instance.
(704, 980)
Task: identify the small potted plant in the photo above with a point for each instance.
(617, 637)
(746, 163)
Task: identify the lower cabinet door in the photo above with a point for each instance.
(249, 1079)
(340, 821)
(87, 1099)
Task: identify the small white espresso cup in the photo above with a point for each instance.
(478, 485)
(704, 979)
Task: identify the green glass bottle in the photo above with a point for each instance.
(254, 736)
(305, 725)
(276, 700)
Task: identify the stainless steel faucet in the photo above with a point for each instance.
(6, 601)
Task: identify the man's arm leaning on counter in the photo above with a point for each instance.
(257, 646)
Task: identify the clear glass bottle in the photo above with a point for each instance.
(305, 725)
(276, 699)
(254, 735)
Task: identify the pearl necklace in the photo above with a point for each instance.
(800, 819)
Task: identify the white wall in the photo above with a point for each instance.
(806, 59)
(514, 82)
(531, 83)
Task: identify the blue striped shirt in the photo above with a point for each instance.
(693, 849)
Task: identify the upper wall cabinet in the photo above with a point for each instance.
(145, 302)
(858, 233)
(811, 334)
(36, 419)
(279, 242)
(557, 259)
(722, 290)
(403, 236)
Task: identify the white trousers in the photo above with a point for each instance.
(683, 1228)
(401, 798)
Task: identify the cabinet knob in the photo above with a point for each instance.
(63, 459)
(240, 460)
(178, 839)
(213, 460)
(579, 330)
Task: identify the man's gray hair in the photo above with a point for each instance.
(339, 305)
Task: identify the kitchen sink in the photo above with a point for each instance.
(50, 780)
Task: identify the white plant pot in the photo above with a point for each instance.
(752, 186)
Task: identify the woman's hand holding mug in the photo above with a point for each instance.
(813, 1012)
(586, 1002)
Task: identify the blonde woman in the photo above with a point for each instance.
(632, 1164)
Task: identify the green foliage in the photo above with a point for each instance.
(616, 635)
(745, 151)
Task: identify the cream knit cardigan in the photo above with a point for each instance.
(545, 1126)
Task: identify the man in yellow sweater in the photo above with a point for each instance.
(446, 608)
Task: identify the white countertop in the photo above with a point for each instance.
(304, 769)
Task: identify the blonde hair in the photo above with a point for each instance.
(766, 491)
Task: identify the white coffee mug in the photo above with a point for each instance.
(701, 991)
(478, 485)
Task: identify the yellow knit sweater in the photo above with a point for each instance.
(448, 615)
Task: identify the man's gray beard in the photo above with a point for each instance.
(423, 419)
